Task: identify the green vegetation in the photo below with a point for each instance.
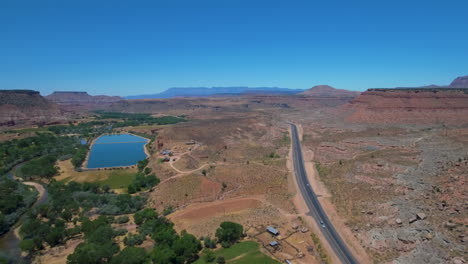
(229, 233)
(284, 141)
(320, 250)
(142, 164)
(16, 151)
(80, 155)
(273, 155)
(46, 224)
(246, 252)
(87, 130)
(170, 247)
(143, 179)
(15, 198)
(119, 179)
(65, 214)
(139, 119)
(43, 167)
(28, 130)
(322, 170)
(142, 182)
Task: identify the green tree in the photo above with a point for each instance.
(55, 236)
(144, 215)
(209, 256)
(228, 233)
(142, 164)
(134, 239)
(130, 255)
(220, 260)
(163, 254)
(27, 245)
(186, 247)
(209, 243)
(147, 171)
(131, 189)
(91, 253)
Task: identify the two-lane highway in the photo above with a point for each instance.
(312, 202)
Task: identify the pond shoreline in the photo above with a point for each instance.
(91, 144)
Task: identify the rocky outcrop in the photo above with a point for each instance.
(413, 106)
(328, 91)
(27, 107)
(460, 82)
(81, 98)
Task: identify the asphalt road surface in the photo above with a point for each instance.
(316, 210)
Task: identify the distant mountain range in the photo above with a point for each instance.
(459, 82)
(213, 91)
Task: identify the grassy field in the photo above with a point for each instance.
(116, 179)
(119, 179)
(242, 253)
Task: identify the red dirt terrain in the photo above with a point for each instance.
(18, 107)
(81, 100)
(409, 106)
(315, 97)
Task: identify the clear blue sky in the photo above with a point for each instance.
(135, 47)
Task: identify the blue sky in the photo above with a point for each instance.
(135, 47)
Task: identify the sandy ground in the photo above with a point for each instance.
(324, 198)
(197, 212)
(40, 189)
(59, 254)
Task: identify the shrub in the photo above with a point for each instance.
(122, 219)
(229, 233)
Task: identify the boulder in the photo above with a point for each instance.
(421, 216)
(412, 219)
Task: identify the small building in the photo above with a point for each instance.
(166, 152)
(288, 261)
(272, 230)
(274, 244)
(166, 159)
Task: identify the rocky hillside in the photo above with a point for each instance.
(460, 82)
(412, 106)
(81, 99)
(328, 91)
(27, 107)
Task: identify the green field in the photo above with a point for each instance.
(119, 179)
(242, 253)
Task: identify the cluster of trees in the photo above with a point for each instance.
(51, 224)
(87, 129)
(143, 179)
(229, 233)
(139, 119)
(69, 203)
(170, 246)
(43, 167)
(15, 151)
(80, 155)
(100, 245)
(15, 198)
